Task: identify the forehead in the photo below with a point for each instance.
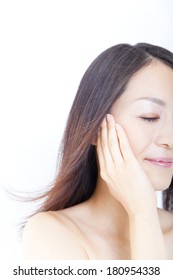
(154, 80)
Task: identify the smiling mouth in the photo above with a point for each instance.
(161, 163)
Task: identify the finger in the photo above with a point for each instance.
(113, 141)
(124, 143)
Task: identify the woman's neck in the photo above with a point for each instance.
(109, 213)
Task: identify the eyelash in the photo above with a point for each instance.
(150, 120)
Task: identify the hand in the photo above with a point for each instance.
(121, 171)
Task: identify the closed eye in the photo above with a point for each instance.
(150, 120)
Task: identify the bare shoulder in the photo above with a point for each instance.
(51, 235)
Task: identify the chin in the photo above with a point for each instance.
(161, 186)
(160, 179)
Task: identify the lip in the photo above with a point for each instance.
(162, 162)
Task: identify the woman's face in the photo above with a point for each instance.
(145, 111)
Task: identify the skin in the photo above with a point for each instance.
(123, 221)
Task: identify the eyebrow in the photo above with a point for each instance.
(153, 99)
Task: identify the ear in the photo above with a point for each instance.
(94, 141)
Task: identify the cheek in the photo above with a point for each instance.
(138, 139)
(138, 134)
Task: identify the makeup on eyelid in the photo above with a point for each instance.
(149, 112)
(150, 119)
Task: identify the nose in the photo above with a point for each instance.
(165, 137)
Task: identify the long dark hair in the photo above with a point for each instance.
(102, 84)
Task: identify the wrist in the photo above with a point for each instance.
(145, 207)
(148, 214)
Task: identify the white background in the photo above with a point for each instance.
(45, 47)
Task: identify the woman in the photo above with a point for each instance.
(117, 151)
